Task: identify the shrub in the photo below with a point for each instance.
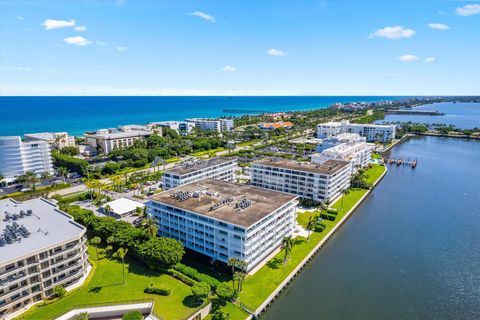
(225, 292)
(69, 162)
(78, 197)
(161, 291)
(59, 291)
(201, 290)
(328, 217)
(180, 276)
(133, 315)
(198, 276)
(220, 315)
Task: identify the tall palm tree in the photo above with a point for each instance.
(150, 226)
(31, 178)
(107, 209)
(287, 245)
(120, 254)
(238, 276)
(63, 172)
(95, 241)
(232, 262)
(311, 226)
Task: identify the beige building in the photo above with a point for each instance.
(56, 140)
(106, 140)
(41, 247)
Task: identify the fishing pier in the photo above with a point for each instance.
(402, 162)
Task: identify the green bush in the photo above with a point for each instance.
(77, 197)
(327, 217)
(133, 315)
(198, 276)
(180, 276)
(69, 162)
(225, 292)
(161, 291)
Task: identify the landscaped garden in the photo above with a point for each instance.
(105, 285)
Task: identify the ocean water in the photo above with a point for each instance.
(461, 115)
(410, 251)
(20, 115)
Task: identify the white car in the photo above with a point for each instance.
(26, 190)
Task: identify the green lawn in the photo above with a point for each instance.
(212, 152)
(374, 172)
(234, 311)
(260, 285)
(376, 156)
(105, 286)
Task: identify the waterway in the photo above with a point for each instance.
(410, 251)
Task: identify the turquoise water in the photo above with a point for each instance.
(410, 251)
(20, 115)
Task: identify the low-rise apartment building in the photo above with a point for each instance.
(372, 132)
(225, 220)
(221, 168)
(345, 146)
(17, 157)
(219, 125)
(182, 127)
(56, 140)
(106, 140)
(41, 247)
(314, 181)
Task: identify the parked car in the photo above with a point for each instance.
(26, 190)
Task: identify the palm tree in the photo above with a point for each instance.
(31, 178)
(120, 254)
(62, 171)
(311, 226)
(150, 226)
(239, 277)
(344, 193)
(232, 262)
(242, 265)
(287, 245)
(95, 241)
(107, 209)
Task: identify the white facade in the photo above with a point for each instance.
(181, 127)
(345, 146)
(372, 132)
(219, 125)
(248, 232)
(18, 157)
(106, 140)
(221, 168)
(317, 182)
(57, 140)
(49, 253)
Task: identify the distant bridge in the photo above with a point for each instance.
(244, 111)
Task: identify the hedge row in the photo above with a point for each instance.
(195, 275)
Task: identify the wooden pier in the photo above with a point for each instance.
(246, 111)
(400, 162)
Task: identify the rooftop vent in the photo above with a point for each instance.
(181, 195)
(243, 204)
(221, 203)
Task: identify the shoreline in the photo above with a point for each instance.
(286, 282)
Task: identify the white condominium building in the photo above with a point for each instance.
(41, 247)
(372, 132)
(307, 180)
(181, 127)
(105, 140)
(221, 168)
(219, 125)
(345, 146)
(18, 157)
(225, 220)
(57, 140)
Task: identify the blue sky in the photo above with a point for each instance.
(239, 47)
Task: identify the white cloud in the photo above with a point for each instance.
(393, 33)
(20, 68)
(408, 58)
(204, 16)
(121, 49)
(229, 68)
(77, 41)
(430, 59)
(438, 26)
(468, 10)
(51, 24)
(101, 43)
(80, 28)
(19, 18)
(276, 52)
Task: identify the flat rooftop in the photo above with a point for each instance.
(47, 225)
(208, 192)
(44, 135)
(122, 206)
(328, 167)
(120, 134)
(197, 165)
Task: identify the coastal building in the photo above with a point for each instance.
(18, 157)
(56, 140)
(182, 127)
(225, 220)
(221, 168)
(122, 208)
(372, 132)
(105, 140)
(41, 247)
(219, 125)
(277, 125)
(345, 146)
(315, 181)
